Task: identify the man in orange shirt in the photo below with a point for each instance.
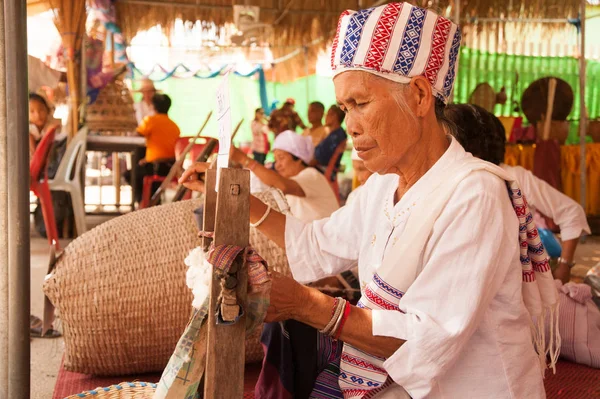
(161, 135)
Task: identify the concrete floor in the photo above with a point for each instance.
(46, 354)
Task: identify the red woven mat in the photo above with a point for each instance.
(572, 381)
(69, 383)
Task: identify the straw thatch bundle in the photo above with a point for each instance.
(312, 23)
(69, 17)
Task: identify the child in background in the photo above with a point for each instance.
(40, 120)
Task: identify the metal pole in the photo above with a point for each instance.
(582, 109)
(17, 126)
(3, 221)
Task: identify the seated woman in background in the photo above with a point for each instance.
(308, 193)
(161, 135)
(483, 135)
(361, 172)
(40, 120)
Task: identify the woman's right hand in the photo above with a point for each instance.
(191, 177)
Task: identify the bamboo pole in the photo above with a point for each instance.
(3, 220)
(70, 21)
(582, 108)
(17, 123)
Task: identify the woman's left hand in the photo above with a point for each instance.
(287, 295)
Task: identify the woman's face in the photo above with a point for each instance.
(382, 133)
(285, 164)
(38, 113)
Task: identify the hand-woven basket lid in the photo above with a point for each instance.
(535, 99)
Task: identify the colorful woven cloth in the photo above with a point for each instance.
(398, 41)
(183, 373)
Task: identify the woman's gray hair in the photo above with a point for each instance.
(399, 92)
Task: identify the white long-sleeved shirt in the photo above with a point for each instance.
(565, 212)
(465, 325)
(142, 110)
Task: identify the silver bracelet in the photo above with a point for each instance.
(263, 218)
(563, 260)
(336, 326)
(336, 317)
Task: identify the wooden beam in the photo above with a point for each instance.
(210, 206)
(224, 376)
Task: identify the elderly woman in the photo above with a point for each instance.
(447, 295)
(483, 135)
(307, 191)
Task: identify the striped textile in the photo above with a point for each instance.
(398, 41)
(579, 324)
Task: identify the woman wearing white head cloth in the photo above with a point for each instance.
(455, 283)
(307, 191)
(361, 173)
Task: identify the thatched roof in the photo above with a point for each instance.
(296, 23)
(311, 23)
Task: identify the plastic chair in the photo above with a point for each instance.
(68, 177)
(332, 169)
(38, 183)
(147, 188)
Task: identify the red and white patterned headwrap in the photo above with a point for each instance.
(398, 41)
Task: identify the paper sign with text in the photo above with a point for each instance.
(224, 120)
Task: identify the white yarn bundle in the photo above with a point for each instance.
(198, 276)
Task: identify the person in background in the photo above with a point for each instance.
(294, 120)
(361, 172)
(279, 122)
(317, 132)
(308, 194)
(483, 135)
(260, 138)
(325, 150)
(40, 120)
(161, 135)
(145, 107)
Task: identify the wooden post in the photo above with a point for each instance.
(582, 109)
(4, 173)
(116, 162)
(17, 126)
(229, 212)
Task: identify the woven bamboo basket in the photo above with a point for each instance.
(121, 294)
(112, 113)
(124, 390)
(275, 256)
